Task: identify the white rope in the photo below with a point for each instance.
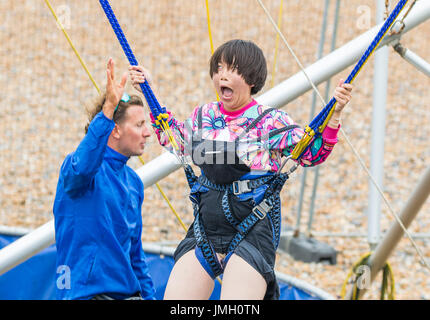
(363, 165)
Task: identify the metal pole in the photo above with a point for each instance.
(413, 59)
(26, 246)
(363, 235)
(312, 113)
(338, 60)
(42, 237)
(395, 233)
(380, 81)
(277, 97)
(150, 173)
(326, 97)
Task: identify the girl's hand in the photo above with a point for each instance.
(342, 94)
(138, 75)
(114, 91)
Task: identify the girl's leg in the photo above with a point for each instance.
(241, 281)
(189, 280)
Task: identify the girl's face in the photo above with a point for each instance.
(231, 87)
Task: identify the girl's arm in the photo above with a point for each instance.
(321, 146)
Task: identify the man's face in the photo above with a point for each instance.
(133, 132)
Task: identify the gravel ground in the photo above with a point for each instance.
(45, 91)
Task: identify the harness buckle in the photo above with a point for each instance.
(261, 210)
(240, 186)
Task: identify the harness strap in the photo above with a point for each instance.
(254, 123)
(190, 175)
(239, 186)
(205, 246)
(269, 206)
(226, 208)
(244, 186)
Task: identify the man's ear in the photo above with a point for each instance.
(116, 132)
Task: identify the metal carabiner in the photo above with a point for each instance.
(292, 169)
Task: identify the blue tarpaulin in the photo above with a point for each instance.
(36, 278)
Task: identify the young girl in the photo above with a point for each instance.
(238, 145)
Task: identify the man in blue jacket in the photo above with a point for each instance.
(97, 208)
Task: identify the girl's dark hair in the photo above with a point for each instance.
(244, 56)
(119, 114)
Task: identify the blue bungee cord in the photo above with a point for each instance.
(320, 121)
(152, 101)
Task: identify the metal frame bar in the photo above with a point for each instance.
(295, 86)
(413, 59)
(380, 86)
(386, 247)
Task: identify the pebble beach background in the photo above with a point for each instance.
(45, 91)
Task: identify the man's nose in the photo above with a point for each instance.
(146, 132)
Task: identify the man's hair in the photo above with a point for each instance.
(119, 114)
(244, 56)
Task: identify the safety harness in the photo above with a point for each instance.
(265, 188)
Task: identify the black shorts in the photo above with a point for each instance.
(257, 249)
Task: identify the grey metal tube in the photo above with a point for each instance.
(413, 59)
(380, 84)
(312, 113)
(326, 97)
(42, 237)
(277, 97)
(150, 173)
(384, 249)
(337, 61)
(27, 246)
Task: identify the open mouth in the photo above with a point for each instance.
(227, 93)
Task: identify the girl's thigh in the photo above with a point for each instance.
(189, 280)
(241, 281)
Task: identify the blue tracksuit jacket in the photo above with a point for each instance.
(98, 222)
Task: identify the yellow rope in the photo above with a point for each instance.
(99, 91)
(168, 202)
(209, 26)
(272, 82)
(71, 44)
(208, 18)
(388, 275)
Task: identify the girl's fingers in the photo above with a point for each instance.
(137, 75)
(340, 97)
(344, 91)
(347, 86)
(139, 79)
(136, 68)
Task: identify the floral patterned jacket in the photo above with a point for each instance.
(257, 149)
